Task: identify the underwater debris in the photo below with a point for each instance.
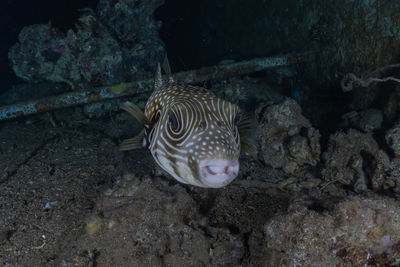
(349, 79)
(287, 139)
(145, 86)
(246, 90)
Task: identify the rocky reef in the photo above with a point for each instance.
(117, 42)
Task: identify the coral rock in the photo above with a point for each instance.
(354, 159)
(355, 232)
(287, 138)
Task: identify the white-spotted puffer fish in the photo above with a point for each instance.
(191, 133)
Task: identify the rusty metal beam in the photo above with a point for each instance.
(146, 86)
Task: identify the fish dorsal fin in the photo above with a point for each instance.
(167, 70)
(158, 82)
(136, 112)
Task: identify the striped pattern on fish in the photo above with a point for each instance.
(191, 133)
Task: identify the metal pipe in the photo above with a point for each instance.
(146, 86)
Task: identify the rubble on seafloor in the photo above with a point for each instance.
(165, 229)
(357, 231)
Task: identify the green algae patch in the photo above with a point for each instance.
(118, 88)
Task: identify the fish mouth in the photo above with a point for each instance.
(218, 173)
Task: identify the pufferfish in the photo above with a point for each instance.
(192, 134)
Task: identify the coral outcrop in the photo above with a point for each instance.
(118, 43)
(286, 138)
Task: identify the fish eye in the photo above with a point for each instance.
(238, 117)
(173, 122)
(203, 125)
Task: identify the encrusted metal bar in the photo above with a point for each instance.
(146, 86)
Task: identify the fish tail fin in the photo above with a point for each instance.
(132, 143)
(136, 112)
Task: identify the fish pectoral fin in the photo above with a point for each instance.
(136, 112)
(247, 126)
(132, 143)
(248, 148)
